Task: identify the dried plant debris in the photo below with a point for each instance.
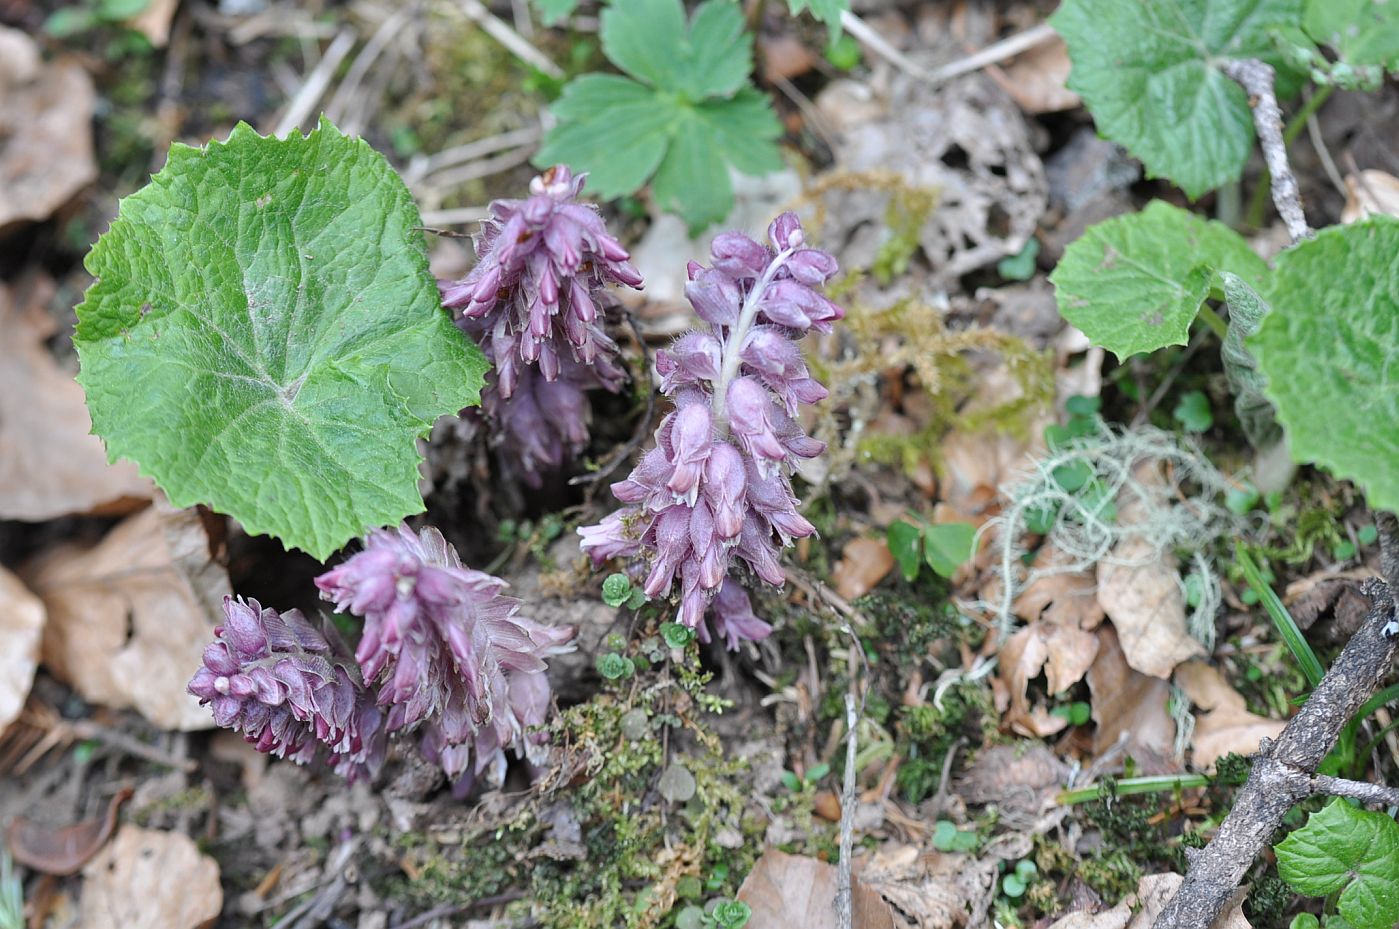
(129, 618)
(50, 463)
(962, 150)
(146, 878)
(45, 131)
(21, 628)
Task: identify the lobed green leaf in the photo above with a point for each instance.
(1329, 350)
(1342, 846)
(264, 336)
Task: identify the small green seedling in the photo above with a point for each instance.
(943, 547)
(948, 838)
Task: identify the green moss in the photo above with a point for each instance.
(924, 735)
(1268, 902)
(1112, 875)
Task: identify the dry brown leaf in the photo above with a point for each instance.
(129, 618)
(146, 878)
(21, 630)
(796, 892)
(863, 564)
(1132, 707)
(1115, 918)
(1147, 606)
(67, 848)
(1225, 725)
(1369, 193)
(1154, 891)
(45, 131)
(49, 463)
(930, 889)
(1037, 79)
(1069, 599)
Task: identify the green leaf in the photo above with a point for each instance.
(69, 21)
(553, 12)
(1020, 267)
(1013, 885)
(698, 119)
(1304, 921)
(1330, 352)
(905, 544)
(265, 337)
(732, 914)
(1282, 620)
(1363, 32)
(1193, 411)
(613, 666)
(1342, 846)
(1246, 382)
(947, 546)
(115, 11)
(1148, 72)
(944, 835)
(613, 128)
(677, 784)
(649, 40)
(816, 772)
(1135, 283)
(616, 590)
(827, 11)
(677, 635)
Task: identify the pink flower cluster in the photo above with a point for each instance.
(447, 650)
(717, 484)
(444, 650)
(291, 689)
(534, 303)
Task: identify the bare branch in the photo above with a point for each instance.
(847, 817)
(1256, 78)
(1355, 790)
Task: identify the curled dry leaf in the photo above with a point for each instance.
(1063, 652)
(863, 564)
(1225, 725)
(1368, 193)
(45, 131)
(1130, 708)
(50, 464)
(129, 618)
(1140, 591)
(21, 630)
(147, 878)
(796, 892)
(63, 850)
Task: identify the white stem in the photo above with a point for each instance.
(733, 346)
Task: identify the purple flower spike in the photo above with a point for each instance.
(446, 647)
(716, 489)
(535, 304)
(291, 689)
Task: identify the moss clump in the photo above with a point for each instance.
(1268, 901)
(925, 734)
(1112, 875)
(638, 843)
(910, 620)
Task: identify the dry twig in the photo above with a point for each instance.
(1256, 78)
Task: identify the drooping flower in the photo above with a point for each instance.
(716, 490)
(291, 689)
(446, 648)
(535, 304)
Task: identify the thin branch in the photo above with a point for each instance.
(1256, 78)
(514, 43)
(1355, 790)
(315, 84)
(847, 814)
(995, 53)
(863, 32)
